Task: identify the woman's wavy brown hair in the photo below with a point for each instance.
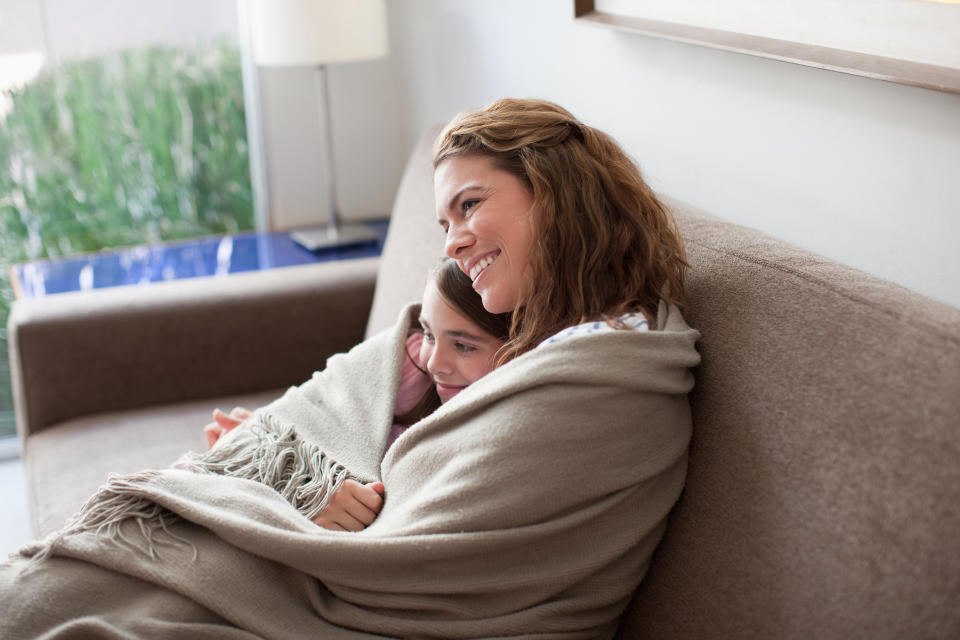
(604, 243)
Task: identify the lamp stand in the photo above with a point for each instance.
(335, 233)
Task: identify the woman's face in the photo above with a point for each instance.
(486, 215)
(455, 351)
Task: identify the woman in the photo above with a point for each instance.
(552, 221)
(521, 170)
(530, 503)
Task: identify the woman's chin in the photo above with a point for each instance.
(500, 294)
(494, 303)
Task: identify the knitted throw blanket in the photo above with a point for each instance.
(529, 505)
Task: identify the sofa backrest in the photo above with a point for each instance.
(414, 242)
(823, 492)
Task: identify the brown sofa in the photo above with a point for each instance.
(823, 495)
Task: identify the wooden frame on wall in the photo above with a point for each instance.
(901, 71)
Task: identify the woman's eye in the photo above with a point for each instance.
(428, 336)
(464, 348)
(466, 205)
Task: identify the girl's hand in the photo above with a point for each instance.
(224, 422)
(353, 507)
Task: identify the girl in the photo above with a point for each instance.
(457, 344)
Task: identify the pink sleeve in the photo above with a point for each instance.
(413, 382)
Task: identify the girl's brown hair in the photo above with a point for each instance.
(605, 245)
(456, 289)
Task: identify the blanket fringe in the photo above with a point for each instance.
(277, 457)
(121, 500)
(265, 452)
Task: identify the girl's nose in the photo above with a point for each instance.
(438, 363)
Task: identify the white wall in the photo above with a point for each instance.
(34, 33)
(92, 27)
(859, 170)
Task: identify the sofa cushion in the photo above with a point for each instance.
(64, 463)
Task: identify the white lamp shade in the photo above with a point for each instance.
(311, 32)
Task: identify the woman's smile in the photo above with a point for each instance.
(481, 265)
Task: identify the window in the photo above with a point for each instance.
(121, 123)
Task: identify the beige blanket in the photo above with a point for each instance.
(527, 506)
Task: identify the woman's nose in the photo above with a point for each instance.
(458, 239)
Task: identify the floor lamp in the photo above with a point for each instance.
(319, 33)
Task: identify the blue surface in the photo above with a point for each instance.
(211, 256)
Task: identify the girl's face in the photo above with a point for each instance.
(485, 213)
(455, 351)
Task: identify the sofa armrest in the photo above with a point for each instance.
(77, 354)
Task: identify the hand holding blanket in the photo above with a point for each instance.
(528, 505)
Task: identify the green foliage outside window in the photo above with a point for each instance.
(139, 147)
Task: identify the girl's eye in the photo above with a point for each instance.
(466, 205)
(428, 336)
(464, 348)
